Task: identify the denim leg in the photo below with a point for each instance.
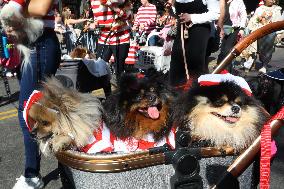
(153, 40)
(27, 85)
(49, 61)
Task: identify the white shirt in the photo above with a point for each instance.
(212, 14)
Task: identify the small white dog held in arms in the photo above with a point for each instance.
(21, 30)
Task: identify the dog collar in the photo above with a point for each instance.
(216, 79)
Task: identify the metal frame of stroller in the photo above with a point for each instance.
(120, 163)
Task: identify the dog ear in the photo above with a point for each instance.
(128, 83)
(51, 87)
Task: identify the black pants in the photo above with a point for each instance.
(265, 48)
(195, 50)
(228, 42)
(120, 53)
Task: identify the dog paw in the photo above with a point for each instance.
(61, 143)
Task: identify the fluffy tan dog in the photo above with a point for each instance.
(62, 118)
(220, 115)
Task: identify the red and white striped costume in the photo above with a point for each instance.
(104, 141)
(146, 15)
(105, 16)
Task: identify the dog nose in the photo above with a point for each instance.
(236, 109)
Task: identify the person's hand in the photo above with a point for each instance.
(184, 18)
(241, 33)
(141, 27)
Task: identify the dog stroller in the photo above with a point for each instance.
(153, 169)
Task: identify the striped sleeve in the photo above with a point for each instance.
(107, 18)
(152, 12)
(146, 16)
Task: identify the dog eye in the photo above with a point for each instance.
(45, 123)
(219, 102)
(139, 97)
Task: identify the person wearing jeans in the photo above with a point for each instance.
(42, 62)
(47, 49)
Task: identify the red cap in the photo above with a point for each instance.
(261, 2)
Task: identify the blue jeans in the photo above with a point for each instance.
(153, 40)
(47, 46)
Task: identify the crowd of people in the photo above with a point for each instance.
(227, 20)
(193, 29)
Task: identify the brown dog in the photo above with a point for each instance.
(63, 118)
(139, 107)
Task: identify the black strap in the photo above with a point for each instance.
(6, 83)
(108, 35)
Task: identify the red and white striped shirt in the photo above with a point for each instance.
(146, 15)
(49, 19)
(105, 16)
(104, 141)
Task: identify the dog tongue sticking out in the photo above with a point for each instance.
(231, 119)
(153, 112)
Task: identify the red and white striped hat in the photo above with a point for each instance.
(34, 97)
(215, 79)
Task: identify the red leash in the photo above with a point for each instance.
(265, 143)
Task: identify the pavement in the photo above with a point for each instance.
(12, 150)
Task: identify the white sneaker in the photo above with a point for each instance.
(262, 70)
(9, 74)
(28, 183)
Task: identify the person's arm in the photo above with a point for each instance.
(136, 22)
(212, 14)
(38, 8)
(76, 21)
(207, 17)
(152, 18)
(243, 15)
(220, 22)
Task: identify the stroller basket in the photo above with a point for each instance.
(134, 170)
(149, 57)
